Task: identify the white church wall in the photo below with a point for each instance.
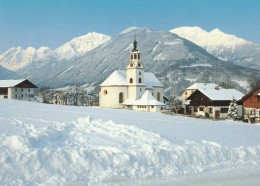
(109, 96)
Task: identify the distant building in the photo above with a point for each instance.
(21, 89)
(251, 106)
(213, 103)
(133, 88)
(188, 91)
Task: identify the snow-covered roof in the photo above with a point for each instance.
(146, 99)
(118, 77)
(10, 83)
(202, 86)
(222, 94)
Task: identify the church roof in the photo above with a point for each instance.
(118, 77)
(146, 99)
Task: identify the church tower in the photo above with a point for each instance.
(135, 74)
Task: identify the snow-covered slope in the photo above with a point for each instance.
(80, 45)
(177, 62)
(56, 145)
(224, 46)
(17, 58)
(6, 74)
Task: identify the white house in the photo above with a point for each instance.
(133, 88)
(21, 89)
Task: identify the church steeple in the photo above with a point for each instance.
(135, 46)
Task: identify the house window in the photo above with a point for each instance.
(151, 106)
(201, 108)
(195, 109)
(16, 90)
(158, 96)
(105, 91)
(29, 90)
(5, 96)
(131, 80)
(140, 80)
(224, 110)
(22, 89)
(121, 97)
(210, 110)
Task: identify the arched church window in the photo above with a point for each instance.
(139, 64)
(135, 56)
(131, 80)
(158, 96)
(131, 56)
(131, 65)
(138, 56)
(105, 91)
(140, 80)
(121, 97)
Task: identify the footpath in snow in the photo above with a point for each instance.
(53, 144)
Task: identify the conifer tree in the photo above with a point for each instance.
(232, 110)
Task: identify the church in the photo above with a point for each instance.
(132, 88)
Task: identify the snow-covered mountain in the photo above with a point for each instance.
(177, 62)
(17, 58)
(6, 74)
(224, 46)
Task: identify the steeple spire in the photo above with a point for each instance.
(135, 46)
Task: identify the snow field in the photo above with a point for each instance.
(46, 147)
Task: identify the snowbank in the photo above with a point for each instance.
(53, 144)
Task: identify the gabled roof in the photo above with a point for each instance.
(219, 94)
(250, 94)
(202, 86)
(146, 99)
(118, 77)
(14, 83)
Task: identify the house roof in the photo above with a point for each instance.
(220, 94)
(146, 99)
(118, 77)
(202, 86)
(13, 83)
(250, 94)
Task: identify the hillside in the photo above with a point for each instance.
(224, 46)
(6, 74)
(177, 62)
(55, 145)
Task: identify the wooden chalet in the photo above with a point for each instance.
(211, 103)
(251, 106)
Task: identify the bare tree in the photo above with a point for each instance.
(175, 105)
(45, 94)
(76, 92)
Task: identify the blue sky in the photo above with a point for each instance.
(51, 23)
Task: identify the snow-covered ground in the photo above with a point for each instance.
(54, 144)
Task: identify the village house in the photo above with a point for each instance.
(21, 89)
(212, 102)
(251, 106)
(132, 89)
(188, 91)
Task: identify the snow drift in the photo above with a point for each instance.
(52, 149)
